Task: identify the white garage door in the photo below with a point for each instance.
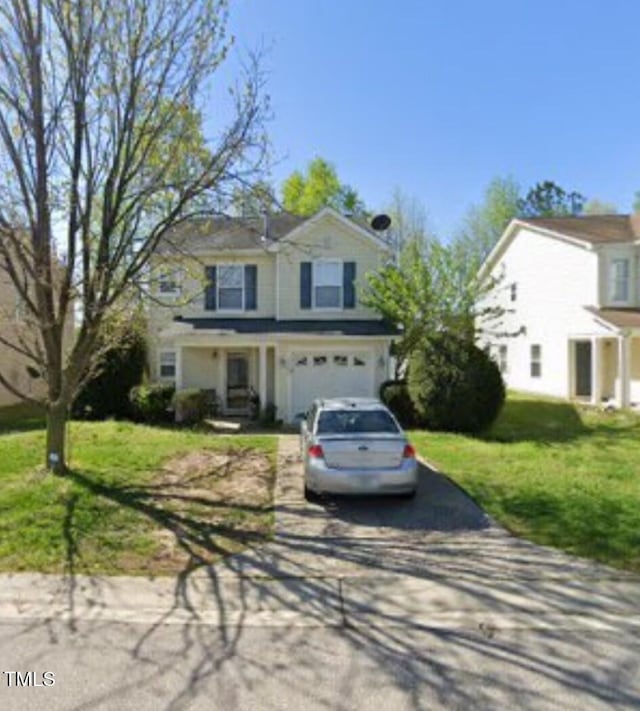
(330, 374)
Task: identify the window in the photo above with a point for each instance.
(619, 280)
(355, 422)
(327, 285)
(230, 287)
(358, 361)
(167, 364)
(514, 291)
(340, 360)
(536, 360)
(319, 360)
(168, 283)
(302, 360)
(502, 358)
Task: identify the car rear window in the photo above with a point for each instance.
(355, 422)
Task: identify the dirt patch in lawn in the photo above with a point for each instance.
(209, 504)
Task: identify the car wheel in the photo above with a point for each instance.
(309, 494)
(408, 494)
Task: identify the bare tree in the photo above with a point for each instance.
(93, 95)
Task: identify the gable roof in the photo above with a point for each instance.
(585, 231)
(240, 233)
(595, 229)
(230, 232)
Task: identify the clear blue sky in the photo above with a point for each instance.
(438, 96)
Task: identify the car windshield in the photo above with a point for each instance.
(355, 422)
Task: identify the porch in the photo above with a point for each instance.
(234, 372)
(605, 369)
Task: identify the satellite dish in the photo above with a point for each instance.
(380, 222)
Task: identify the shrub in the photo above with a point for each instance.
(191, 406)
(454, 385)
(152, 403)
(267, 416)
(120, 368)
(395, 395)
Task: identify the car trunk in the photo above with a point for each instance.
(362, 452)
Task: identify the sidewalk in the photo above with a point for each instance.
(437, 562)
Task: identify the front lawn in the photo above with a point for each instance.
(554, 473)
(138, 500)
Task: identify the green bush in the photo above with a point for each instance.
(152, 403)
(395, 395)
(120, 368)
(191, 406)
(454, 385)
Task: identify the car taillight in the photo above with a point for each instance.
(315, 451)
(409, 452)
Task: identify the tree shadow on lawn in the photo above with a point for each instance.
(373, 618)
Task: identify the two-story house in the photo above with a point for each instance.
(269, 304)
(570, 288)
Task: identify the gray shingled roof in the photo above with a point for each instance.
(596, 229)
(231, 232)
(271, 325)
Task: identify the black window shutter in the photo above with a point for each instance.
(251, 287)
(210, 289)
(348, 285)
(305, 285)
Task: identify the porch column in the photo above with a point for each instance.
(262, 374)
(624, 347)
(596, 389)
(179, 368)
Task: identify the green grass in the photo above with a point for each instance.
(554, 473)
(128, 504)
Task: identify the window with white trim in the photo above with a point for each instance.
(514, 291)
(619, 280)
(536, 360)
(230, 287)
(327, 284)
(167, 367)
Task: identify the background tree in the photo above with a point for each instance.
(428, 291)
(485, 223)
(599, 207)
(305, 194)
(96, 107)
(546, 199)
(409, 220)
(253, 200)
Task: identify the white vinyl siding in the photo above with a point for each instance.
(327, 284)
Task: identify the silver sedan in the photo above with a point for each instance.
(356, 446)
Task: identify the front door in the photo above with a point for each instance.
(237, 381)
(583, 369)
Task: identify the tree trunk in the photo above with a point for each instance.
(56, 437)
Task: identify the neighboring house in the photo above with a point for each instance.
(13, 366)
(570, 287)
(271, 305)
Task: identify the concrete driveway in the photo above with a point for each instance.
(356, 604)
